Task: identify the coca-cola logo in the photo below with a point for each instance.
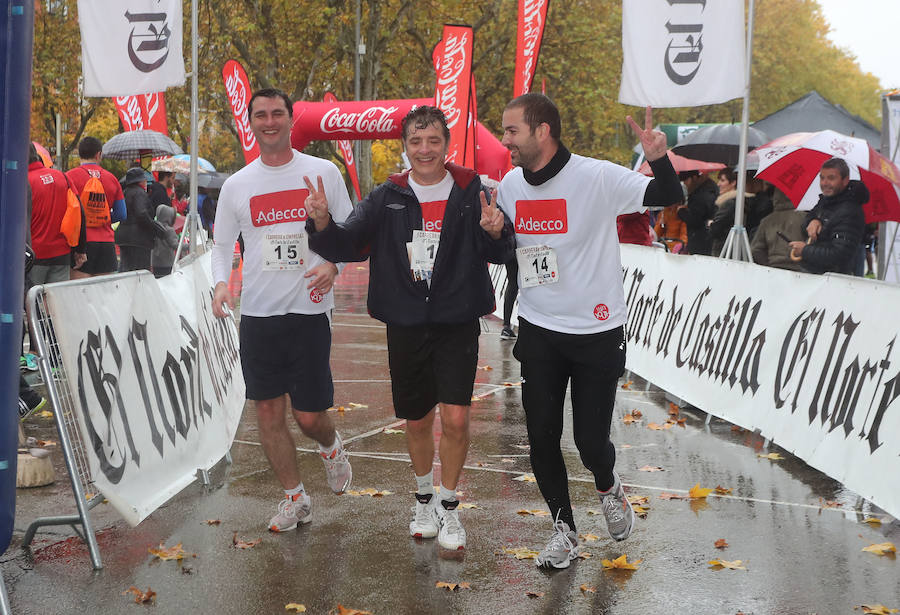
(372, 120)
(130, 112)
(531, 35)
(346, 151)
(237, 95)
(450, 67)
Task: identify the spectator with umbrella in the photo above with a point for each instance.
(135, 235)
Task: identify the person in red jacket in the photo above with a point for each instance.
(101, 243)
(49, 188)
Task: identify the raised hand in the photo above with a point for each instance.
(491, 216)
(317, 204)
(653, 141)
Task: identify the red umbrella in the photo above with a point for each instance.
(793, 162)
(682, 164)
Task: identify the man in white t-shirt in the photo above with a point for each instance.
(285, 331)
(429, 234)
(571, 301)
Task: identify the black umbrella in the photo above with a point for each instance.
(719, 143)
(137, 143)
(212, 181)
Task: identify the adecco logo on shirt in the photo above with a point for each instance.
(278, 207)
(433, 215)
(544, 217)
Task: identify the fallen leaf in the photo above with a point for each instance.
(242, 544)
(640, 511)
(343, 610)
(521, 552)
(637, 499)
(526, 478)
(168, 553)
(636, 413)
(724, 563)
(535, 512)
(627, 385)
(141, 597)
(533, 594)
(44, 414)
(681, 422)
(589, 537)
(628, 419)
(475, 398)
(355, 405)
(213, 521)
(486, 368)
(723, 490)
(655, 426)
(872, 520)
(621, 563)
(469, 505)
(587, 589)
(830, 503)
(721, 544)
(368, 491)
(584, 554)
(674, 410)
(46, 443)
(293, 606)
(771, 456)
(392, 431)
(651, 469)
(672, 496)
(882, 548)
(698, 493)
(876, 609)
(452, 586)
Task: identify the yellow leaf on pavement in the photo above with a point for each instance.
(587, 589)
(627, 385)
(368, 491)
(140, 597)
(589, 537)
(242, 544)
(640, 511)
(343, 610)
(876, 609)
(698, 493)
(770, 456)
(355, 405)
(452, 586)
(638, 499)
(44, 414)
(534, 512)
(882, 548)
(293, 606)
(724, 563)
(872, 520)
(651, 469)
(526, 478)
(621, 563)
(521, 552)
(168, 553)
(469, 505)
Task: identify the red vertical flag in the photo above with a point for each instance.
(238, 88)
(346, 149)
(453, 64)
(471, 142)
(143, 112)
(155, 104)
(532, 17)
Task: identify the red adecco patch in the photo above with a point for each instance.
(278, 207)
(433, 215)
(542, 217)
(601, 312)
(315, 295)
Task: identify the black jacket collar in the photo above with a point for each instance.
(550, 170)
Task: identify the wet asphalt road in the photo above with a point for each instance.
(797, 532)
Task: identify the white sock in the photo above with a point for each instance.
(425, 484)
(447, 494)
(296, 492)
(328, 451)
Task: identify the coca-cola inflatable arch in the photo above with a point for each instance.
(380, 119)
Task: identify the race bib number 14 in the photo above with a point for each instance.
(537, 266)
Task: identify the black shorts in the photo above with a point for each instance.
(101, 257)
(290, 354)
(432, 364)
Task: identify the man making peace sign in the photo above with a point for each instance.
(429, 233)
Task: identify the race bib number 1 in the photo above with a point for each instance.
(537, 266)
(285, 252)
(424, 249)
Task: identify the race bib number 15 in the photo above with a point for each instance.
(285, 252)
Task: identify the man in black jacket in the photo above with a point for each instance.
(429, 234)
(700, 208)
(135, 235)
(835, 225)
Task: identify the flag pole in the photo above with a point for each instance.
(737, 245)
(194, 218)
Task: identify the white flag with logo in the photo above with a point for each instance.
(682, 53)
(130, 46)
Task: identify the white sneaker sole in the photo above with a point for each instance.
(305, 520)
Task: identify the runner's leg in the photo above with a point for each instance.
(277, 441)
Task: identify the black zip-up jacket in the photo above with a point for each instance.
(843, 223)
(701, 207)
(379, 228)
(139, 229)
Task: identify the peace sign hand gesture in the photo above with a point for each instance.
(317, 204)
(491, 216)
(653, 141)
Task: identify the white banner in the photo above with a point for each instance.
(156, 381)
(130, 46)
(811, 361)
(682, 54)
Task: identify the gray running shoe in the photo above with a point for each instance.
(561, 549)
(617, 509)
(337, 467)
(291, 513)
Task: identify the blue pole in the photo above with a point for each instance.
(16, 40)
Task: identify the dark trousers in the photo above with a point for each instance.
(133, 258)
(593, 364)
(512, 290)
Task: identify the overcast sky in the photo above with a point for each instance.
(869, 29)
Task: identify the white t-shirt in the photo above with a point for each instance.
(575, 214)
(261, 203)
(433, 199)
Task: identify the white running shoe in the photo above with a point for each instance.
(291, 513)
(337, 467)
(561, 549)
(425, 523)
(451, 536)
(617, 509)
